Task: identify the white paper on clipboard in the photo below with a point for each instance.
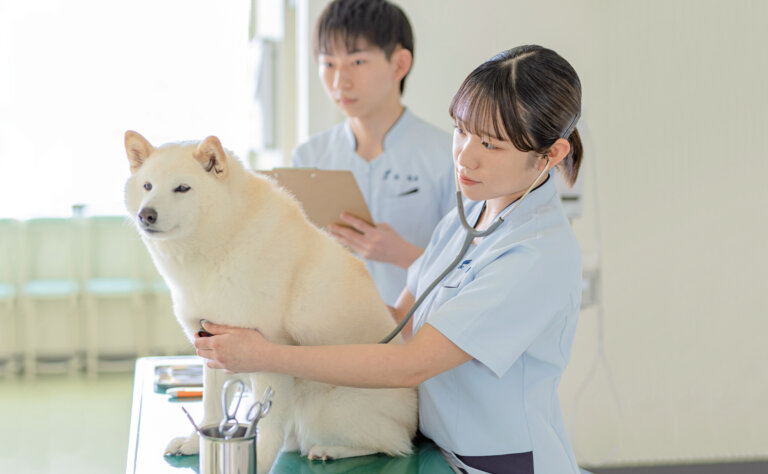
(324, 194)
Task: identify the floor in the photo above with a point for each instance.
(61, 424)
(729, 468)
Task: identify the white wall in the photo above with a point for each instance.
(675, 102)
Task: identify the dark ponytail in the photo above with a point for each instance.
(529, 94)
(570, 165)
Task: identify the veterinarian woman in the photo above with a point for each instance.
(488, 346)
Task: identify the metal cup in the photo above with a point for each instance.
(227, 456)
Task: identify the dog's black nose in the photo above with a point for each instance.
(148, 216)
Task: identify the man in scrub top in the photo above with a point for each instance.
(402, 164)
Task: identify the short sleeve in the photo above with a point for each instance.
(414, 271)
(412, 280)
(501, 311)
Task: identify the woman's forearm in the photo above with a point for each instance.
(356, 365)
(427, 354)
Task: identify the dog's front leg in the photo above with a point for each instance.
(213, 382)
(278, 422)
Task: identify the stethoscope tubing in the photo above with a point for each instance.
(471, 234)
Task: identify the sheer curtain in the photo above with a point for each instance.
(75, 75)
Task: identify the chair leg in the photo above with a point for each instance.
(11, 331)
(75, 317)
(92, 337)
(140, 318)
(30, 339)
(159, 344)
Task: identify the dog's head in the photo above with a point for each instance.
(173, 188)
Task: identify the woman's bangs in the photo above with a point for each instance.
(476, 112)
(489, 111)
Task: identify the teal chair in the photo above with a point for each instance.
(116, 326)
(10, 247)
(50, 286)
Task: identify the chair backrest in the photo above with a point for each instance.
(111, 248)
(52, 249)
(10, 251)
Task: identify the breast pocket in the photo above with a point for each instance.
(405, 213)
(450, 287)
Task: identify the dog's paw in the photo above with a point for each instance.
(183, 446)
(319, 453)
(329, 453)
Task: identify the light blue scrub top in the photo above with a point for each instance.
(512, 304)
(410, 186)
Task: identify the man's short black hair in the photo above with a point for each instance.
(378, 22)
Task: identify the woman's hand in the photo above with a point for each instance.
(232, 349)
(380, 243)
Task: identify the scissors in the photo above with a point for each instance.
(259, 410)
(229, 424)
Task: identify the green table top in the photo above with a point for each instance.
(155, 420)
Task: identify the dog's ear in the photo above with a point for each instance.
(137, 148)
(212, 156)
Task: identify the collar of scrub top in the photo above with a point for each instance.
(398, 128)
(538, 196)
(499, 219)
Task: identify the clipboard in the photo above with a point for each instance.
(324, 194)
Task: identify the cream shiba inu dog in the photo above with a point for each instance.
(236, 249)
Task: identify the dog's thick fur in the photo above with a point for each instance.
(236, 249)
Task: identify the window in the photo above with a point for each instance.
(75, 75)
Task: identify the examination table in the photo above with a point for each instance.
(156, 419)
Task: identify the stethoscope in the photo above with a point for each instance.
(471, 234)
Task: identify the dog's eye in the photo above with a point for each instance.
(182, 188)
(148, 186)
